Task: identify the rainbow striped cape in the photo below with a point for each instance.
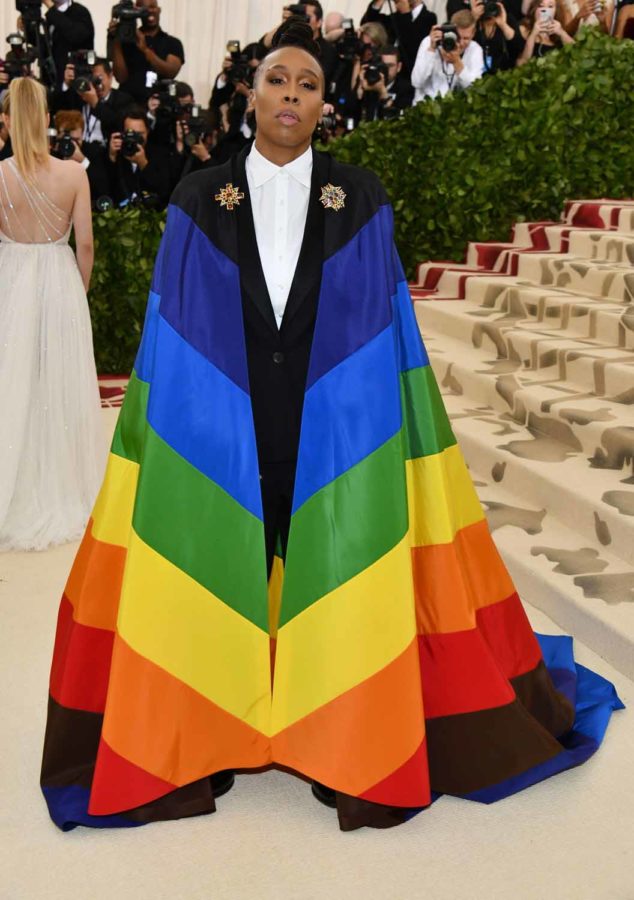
(404, 664)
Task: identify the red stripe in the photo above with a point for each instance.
(507, 631)
(81, 663)
(460, 674)
(119, 785)
(410, 779)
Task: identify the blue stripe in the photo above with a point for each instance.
(204, 417)
(357, 283)
(348, 413)
(200, 296)
(144, 362)
(410, 348)
(68, 808)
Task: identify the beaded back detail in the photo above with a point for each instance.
(27, 213)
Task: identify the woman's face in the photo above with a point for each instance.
(548, 4)
(288, 98)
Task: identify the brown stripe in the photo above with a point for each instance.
(195, 799)
(70, 746)
(476, 750)
(355, 813)
(537, 694)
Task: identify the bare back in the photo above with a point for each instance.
(40, 208)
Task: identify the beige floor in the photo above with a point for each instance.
(570, 837)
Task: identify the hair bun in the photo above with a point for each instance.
(296, 32)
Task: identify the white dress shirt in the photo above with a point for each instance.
(432, 77)
(279, 199)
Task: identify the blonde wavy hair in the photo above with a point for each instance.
(25, 102)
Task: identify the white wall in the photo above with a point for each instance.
(204, 27)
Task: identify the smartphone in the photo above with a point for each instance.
(545, 15)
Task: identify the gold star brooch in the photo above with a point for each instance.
(229, 196)
(332, 197)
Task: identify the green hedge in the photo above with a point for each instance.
(465, 167)
(511, 148)
(125, 246)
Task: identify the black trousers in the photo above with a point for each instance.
(276, 481)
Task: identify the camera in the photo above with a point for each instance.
(450, 38)
(374, 69)
(19, 58)
(196, 124)
(132, 141)
(491, 9)
(169, 108)
(63, 146)
(29, 10)
(348, 46)
(240, 69)
(298, 9)
(127, 16)
(83, 60)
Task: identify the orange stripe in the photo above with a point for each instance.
(168, 729)
(94, 583)
(363, 736)
(452, 581)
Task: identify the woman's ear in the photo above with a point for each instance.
(251, 101)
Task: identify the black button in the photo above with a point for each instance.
(278, 357)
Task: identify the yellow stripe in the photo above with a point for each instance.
(180, 626)
(112, 514)
(275, 594)
(441, 497)
(344, 638)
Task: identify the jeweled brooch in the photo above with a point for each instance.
(229, 196)
(332, 197)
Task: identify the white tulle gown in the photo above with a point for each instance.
(52, 446)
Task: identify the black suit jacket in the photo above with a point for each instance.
(71, 30)
(110, 112)
(155, 178)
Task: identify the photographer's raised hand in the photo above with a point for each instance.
(454, 58)
(114, 146)
(90, 96)
(77, 156)
(435, 37)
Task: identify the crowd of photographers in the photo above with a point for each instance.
(137, 140)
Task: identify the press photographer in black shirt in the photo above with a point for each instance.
(385, 90)
(409, 22)
(498, 34)
(137, 168)
(70, 28)
(153, 55)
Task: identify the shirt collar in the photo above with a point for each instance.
(262, 169)
(64, 6)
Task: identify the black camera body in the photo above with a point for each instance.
(20, 57)
(127, 16)
(375, 69)
(83, 60)
(240, 70)
(63, 146)
(169, 108)
(450, 38)
(132, 141)
(491, 9)
(348, 46)
(298, 9)
(30, 10)
(196, 124)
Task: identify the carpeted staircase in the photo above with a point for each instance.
(532, 343)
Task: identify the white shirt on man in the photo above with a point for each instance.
(279, 200)
(433, 77)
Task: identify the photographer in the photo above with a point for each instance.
(409, 22)
(542, 30)
(70, 145)
(104, 105)
(137, 168)
(229, 102)
(151, 55)
(449, 59)
(386, 90)
(70, 28)
(313, 12)
(498, 35)
(196, 142)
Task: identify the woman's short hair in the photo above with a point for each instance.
(25, 103)
(376, 32)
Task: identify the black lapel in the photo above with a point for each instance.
(311, 255)
(251, 273)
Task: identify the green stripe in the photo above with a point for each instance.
(132, 422)
(198, 527)
(345, 527)
(425, 422)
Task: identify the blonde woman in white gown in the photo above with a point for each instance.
(51, 442)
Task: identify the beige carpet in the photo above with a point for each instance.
(570, 837)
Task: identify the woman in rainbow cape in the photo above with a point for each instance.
(390, 660)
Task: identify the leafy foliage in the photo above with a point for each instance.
(512, 148)
(125, 246)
